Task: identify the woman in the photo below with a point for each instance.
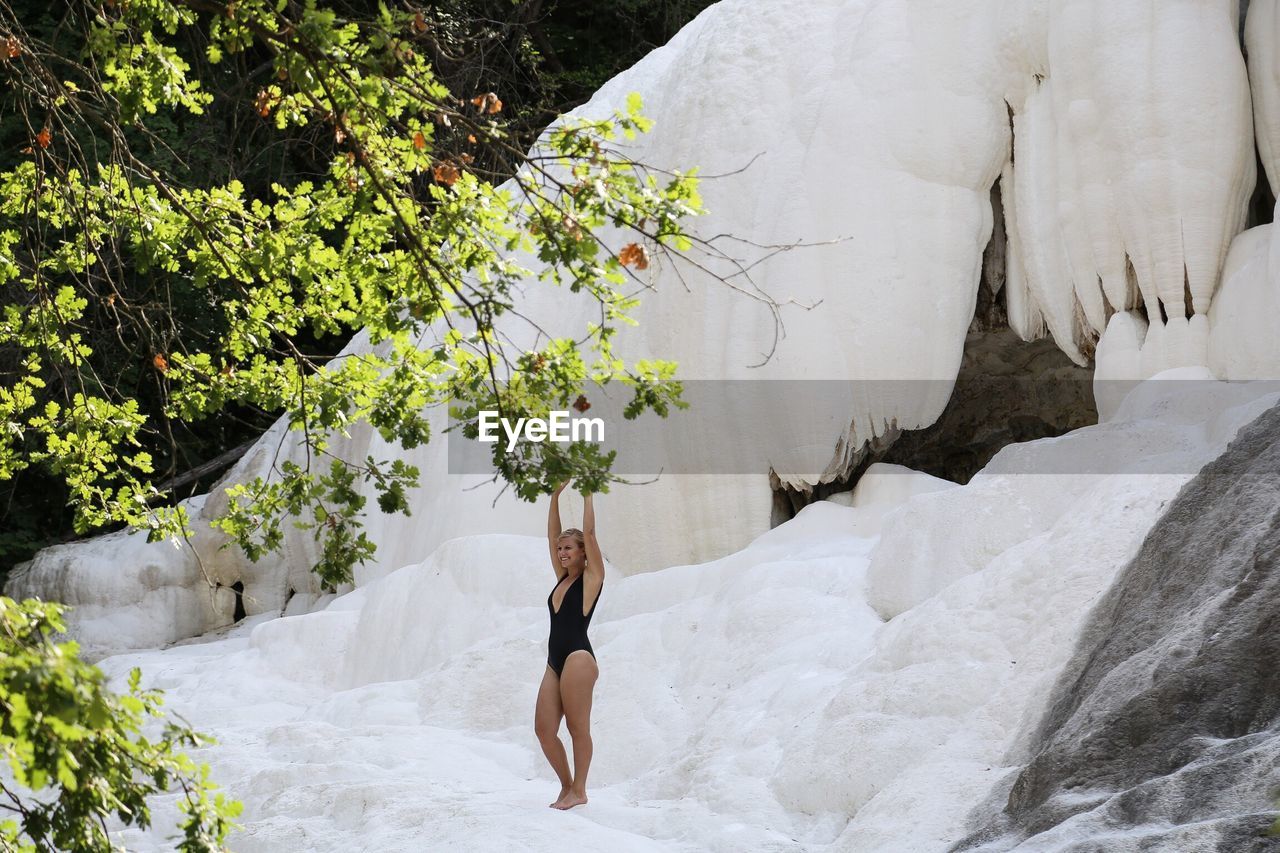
(571, 670)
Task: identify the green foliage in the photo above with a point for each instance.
(391, 233)
(76, 752)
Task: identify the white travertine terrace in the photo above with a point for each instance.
(857, 679)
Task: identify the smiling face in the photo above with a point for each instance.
(570, 553)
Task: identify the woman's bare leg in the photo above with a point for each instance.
(546, 725)
(577, 681)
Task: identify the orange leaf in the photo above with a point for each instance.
(12, 48)
(419, 22)
(487, 103)
(446, 173)
(634, 255)
(161, 363)
(264, 102)
(44, 137)
(581, 404)
(419, 141)
(471, 137)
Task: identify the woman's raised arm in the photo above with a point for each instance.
(553, 530)
(595, 560)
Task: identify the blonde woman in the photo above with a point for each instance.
(571, 672)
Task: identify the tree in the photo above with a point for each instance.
(77, 752)
(403, 232)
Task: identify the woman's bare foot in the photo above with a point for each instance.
(569, 800)
(564, 792)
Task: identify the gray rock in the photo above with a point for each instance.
(1163, 732)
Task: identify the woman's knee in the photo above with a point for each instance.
(546, 729)
(579, 729)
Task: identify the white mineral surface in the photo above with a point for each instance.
(855, 679)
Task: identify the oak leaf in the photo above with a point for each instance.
(446, 173)
(263, 103)
(634, 255)
(487, 103)
(419, 141)
(161, 363)
(44, 137)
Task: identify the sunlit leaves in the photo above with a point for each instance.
(75, 751)
(138, 68)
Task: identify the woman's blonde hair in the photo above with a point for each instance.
(575, 534)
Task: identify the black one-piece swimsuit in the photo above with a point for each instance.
(569, 626)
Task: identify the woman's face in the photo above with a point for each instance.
(571, 555)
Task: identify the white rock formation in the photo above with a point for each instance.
(1242, 341)
(875, 128)
(1262, 41)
